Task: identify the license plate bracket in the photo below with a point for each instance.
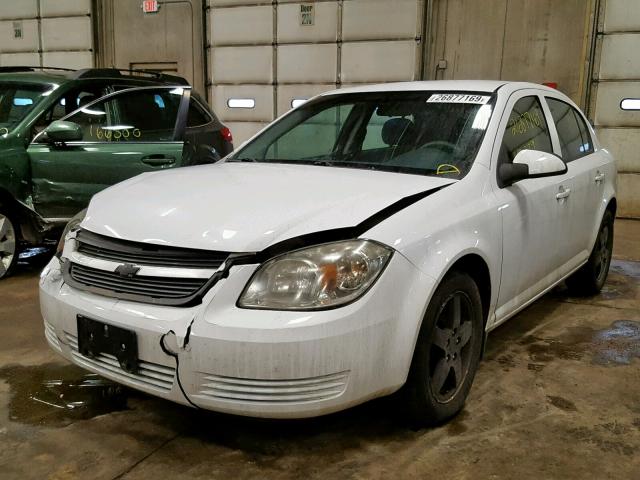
(95, 337)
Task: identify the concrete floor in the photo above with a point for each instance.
(558, 396)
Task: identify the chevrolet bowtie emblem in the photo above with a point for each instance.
(127, 270)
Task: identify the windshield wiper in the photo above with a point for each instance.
(247, 160)
(323, 163)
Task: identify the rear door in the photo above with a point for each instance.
(587, 169)
(125, 133)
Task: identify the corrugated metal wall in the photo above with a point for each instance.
(54, 33)
(618, 77)
(271, 54)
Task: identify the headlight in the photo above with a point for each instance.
(318, 277)
(73, 224)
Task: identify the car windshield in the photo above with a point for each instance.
(425, 133)
(17, 100)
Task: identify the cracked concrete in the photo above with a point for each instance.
(558, 396)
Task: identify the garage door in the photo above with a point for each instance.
(619, 79)
(53, 33)
(263, 57)
(523, 40)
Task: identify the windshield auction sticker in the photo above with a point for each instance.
(458, 98)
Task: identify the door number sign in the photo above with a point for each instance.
(307, 14)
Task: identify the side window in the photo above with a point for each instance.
(196, 115)
(526, 130)
(147, 115)
(67, 103)
(574, 137)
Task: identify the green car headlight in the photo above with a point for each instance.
(72, 225)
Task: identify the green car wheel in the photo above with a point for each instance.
(8, 243)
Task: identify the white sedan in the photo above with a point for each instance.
(363, 243)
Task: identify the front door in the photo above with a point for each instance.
(535, 212)
(124, 134)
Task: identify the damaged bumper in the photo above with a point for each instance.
(251, 362)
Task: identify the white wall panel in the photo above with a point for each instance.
(619, 67)
(378, 61)
(19, 9)
(76, 60)
(621, 15)
(242, 64)
(287, 93)
(624, 145)
(28, 41)
(58, 8)
(261, 94)
(307, 63)
(324, 29)
(353, 41)
(608, 111)
(19, 59)
(242, 25)
(379, 19)
(66, 33)
(620, 56)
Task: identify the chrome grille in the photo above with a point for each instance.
(155, 287)
(150, 375)
(298, 390)
(124, 251)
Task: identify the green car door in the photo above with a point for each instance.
(116, 137)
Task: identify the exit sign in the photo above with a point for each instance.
(150, 6)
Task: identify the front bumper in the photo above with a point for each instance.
(253, 362)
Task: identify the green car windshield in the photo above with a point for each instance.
(17, 100)
(424, 133)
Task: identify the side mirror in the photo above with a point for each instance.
(530, 164)
(60, 132)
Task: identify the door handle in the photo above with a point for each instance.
(599, 177)
(563, 193)
(158, 159)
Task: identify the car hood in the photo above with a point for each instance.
(245, 207)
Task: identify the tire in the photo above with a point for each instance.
(447, 352)
(9, 242)
(590, 278)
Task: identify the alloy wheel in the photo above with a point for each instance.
(7, 244)
(450, 350)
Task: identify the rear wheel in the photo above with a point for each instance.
(590, 278)
(8, 242)
(447, 352)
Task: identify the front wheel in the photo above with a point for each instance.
(8, 242)
(590, 278)
(447, 353)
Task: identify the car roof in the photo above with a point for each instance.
(34, 77)
(62, 75)
(488, 86)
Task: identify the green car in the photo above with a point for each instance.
(65, 135)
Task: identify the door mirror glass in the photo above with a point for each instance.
(531, 164)
(60, 131)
